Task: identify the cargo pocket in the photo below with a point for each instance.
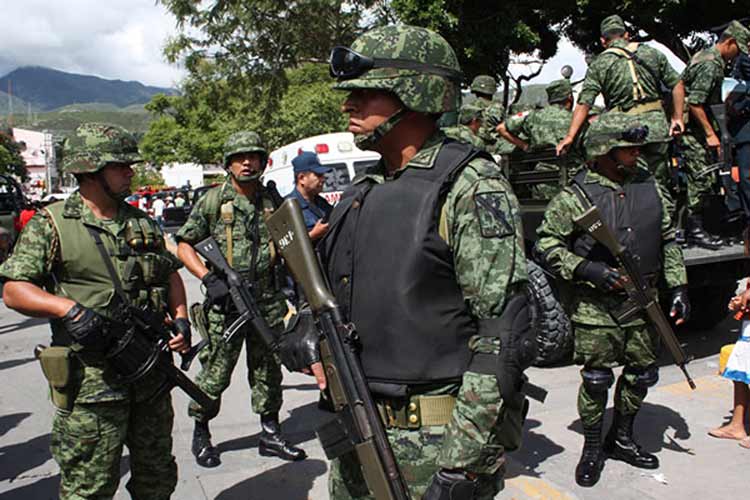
(75, 436)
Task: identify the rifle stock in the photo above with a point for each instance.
(639, 296)
(357, 425)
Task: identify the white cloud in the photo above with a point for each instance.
(118, 39)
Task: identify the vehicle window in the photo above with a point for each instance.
(337, 179)
(361, 166)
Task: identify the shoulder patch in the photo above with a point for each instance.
(494, 214)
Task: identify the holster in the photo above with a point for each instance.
(199, 319)
(58, 365)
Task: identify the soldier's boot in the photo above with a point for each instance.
(698, 236)
(620, 445)
(272, 442)
(590, 466)
(679, 238)
(206, 455)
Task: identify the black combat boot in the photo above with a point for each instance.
(696, 235)
(590, 466)
(205, 453)
(273, 444)
(620, 445)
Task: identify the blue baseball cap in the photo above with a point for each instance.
(308, 161)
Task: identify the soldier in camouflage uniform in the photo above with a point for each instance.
(544, 128)
(57, 272)
(469, 123)
(233, 213)
(439, 216)
(636, 208)
(701, 144)
(493, 113)
(629, 75)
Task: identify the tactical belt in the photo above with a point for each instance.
(416, 411)
(640, 108)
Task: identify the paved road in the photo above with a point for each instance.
(673, 425)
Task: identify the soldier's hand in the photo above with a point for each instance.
(564, 145)
(319, 230)
(714, 142)
(183, 336)
(298, 346)
(216, 289)
(317, 371)
(87, 328)
(450, 485)
(676, 128)
(600, 275)
(680, 310)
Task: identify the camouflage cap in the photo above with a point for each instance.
(93, 145)
(484, 84)
(419, 90)
(245, 141)
(612, 25)
(614, 129)
(740, 33)
(469, 112)
(558, 91)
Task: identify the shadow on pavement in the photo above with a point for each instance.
(535, 449)
(298, 428)
(11, 363)
(291, 481)
(702, 343)
(16, 459)
(44, 489)
(301, 387)
(652, 428)
(21, 325)
(11, 421)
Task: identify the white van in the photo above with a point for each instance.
(335, 150)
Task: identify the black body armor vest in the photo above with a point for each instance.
(634, 213)
(393, 274)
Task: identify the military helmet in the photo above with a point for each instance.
(416, 64)
(484, 84)
(558, 91)
(469, 112)
(244, 141)
(614, 129)
(93, 145)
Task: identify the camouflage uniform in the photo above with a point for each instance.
(103, 414)
(219, 358)
(493, 113)
(600, 342)
(609, 74)
(488, 268)
(461, 132)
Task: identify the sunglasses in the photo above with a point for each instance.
(345, 64)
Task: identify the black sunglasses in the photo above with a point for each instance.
(345, 64)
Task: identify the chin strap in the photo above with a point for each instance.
(368, 141)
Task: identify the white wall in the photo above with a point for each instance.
(178, 174)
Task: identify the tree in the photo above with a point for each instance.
(146, 175)
(11, 161)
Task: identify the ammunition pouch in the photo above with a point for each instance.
(199, 319)
(58, 364)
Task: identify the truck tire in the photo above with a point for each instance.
(709, 305)
(555, 334)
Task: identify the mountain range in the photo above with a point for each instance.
(38, 88)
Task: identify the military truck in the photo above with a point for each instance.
(12, 202)
(712, 274)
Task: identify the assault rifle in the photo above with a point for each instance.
(134, 354)
(640, 297)
(357, 425)
(241, 293)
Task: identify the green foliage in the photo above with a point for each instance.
(146, 176)
(11, 161)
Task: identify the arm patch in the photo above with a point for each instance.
(494, 214)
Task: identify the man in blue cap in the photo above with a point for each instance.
(309, 178)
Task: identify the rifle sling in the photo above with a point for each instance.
(116, 283)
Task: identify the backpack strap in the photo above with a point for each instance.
(629, 54)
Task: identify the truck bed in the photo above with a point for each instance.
(695, 256)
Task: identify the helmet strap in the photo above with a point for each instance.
(368, 141)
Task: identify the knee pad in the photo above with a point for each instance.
(643, 377)
(597, 380)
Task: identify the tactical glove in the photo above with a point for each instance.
(450, 485)
(600, 274)
(298, 345)
(216, 289)
(680, 303)
(182, 326)
(87, 328)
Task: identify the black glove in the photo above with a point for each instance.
(87, 329)
(182, 325)
(450, 485)
(216, 289)
(680, 303)
(600, 274)
(298, 345)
